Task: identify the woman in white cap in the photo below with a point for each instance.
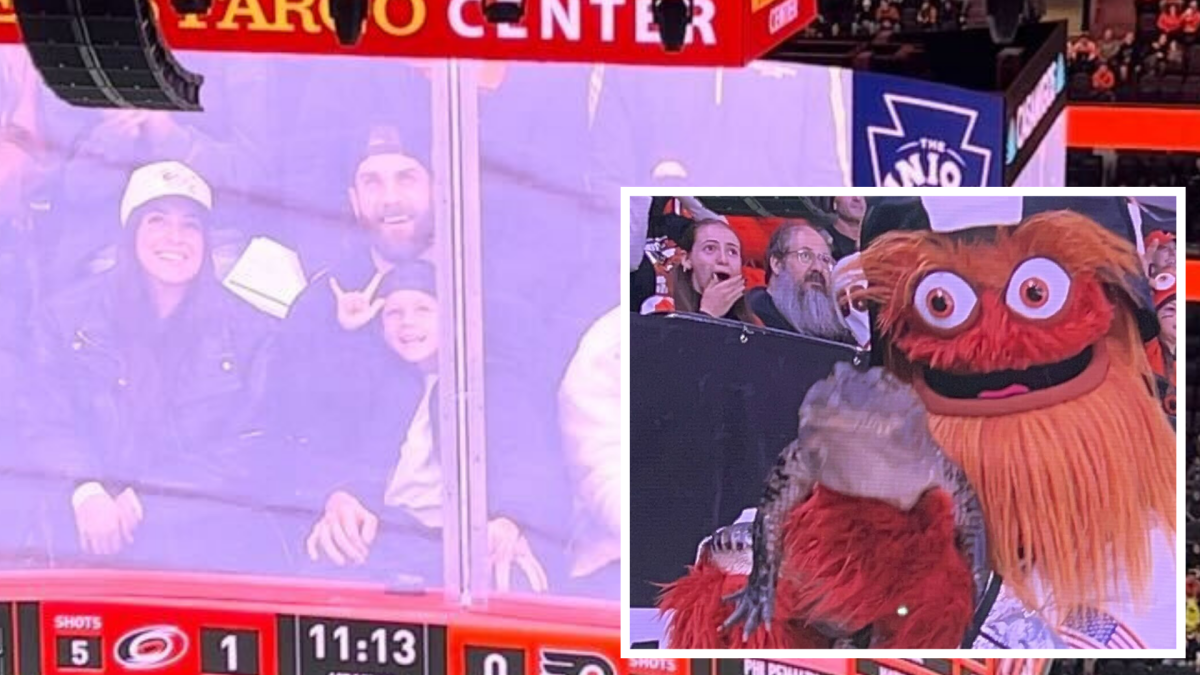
(148, 381)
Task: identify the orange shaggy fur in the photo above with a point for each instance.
(1070, 488)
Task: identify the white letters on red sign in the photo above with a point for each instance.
(608, 18)
(563, 15)
(565, 19)
(783, 14)
(458, 22)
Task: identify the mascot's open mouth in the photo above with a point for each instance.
(1006, 383)
(1005, 392)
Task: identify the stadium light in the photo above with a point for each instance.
(105, 54)
(672, 18)
(1005, 18)
(503, 11)
(349, 19)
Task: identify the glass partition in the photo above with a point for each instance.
(555, 144)
(551, 333)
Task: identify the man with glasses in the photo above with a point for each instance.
(799, 296)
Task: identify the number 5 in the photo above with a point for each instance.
(79, 652)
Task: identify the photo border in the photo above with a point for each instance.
(1180, 469)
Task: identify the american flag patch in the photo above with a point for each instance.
(1092, 629)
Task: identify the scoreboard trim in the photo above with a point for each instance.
(281, 647)
(282, 596)
(29, 639)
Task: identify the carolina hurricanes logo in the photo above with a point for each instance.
(151, 648)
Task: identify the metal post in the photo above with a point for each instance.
(462, 436)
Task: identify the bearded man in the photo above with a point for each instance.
(799, 296)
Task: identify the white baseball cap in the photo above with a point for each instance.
(163, 179)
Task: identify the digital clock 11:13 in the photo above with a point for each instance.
(330, 646)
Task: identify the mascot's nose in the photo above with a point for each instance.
(993, 333)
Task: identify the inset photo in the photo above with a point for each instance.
(920, 420)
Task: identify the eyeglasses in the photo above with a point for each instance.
(807, 256)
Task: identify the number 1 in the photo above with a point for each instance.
(229, 646)
(317, 633)
(341, 635)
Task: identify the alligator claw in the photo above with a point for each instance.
(732, 538)
(754, 605)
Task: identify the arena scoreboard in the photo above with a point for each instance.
(80, 622)
(80, 637)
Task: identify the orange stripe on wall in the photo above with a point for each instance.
(1192, 274)
(1133, 128)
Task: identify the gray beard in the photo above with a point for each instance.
(811, 312)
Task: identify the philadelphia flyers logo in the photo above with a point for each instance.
(151, 648)
(569, 663)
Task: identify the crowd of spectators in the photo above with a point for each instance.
(867, 18)
(1158, 61)
(796, 274)
(700, 261)
(1128, 168)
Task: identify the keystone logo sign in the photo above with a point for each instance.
(918, 134)
(927, 144)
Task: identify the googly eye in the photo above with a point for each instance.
(944, 300)
(1038, 288)
(847, 301)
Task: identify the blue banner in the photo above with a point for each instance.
(913, 133)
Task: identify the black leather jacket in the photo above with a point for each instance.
(208, 439)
